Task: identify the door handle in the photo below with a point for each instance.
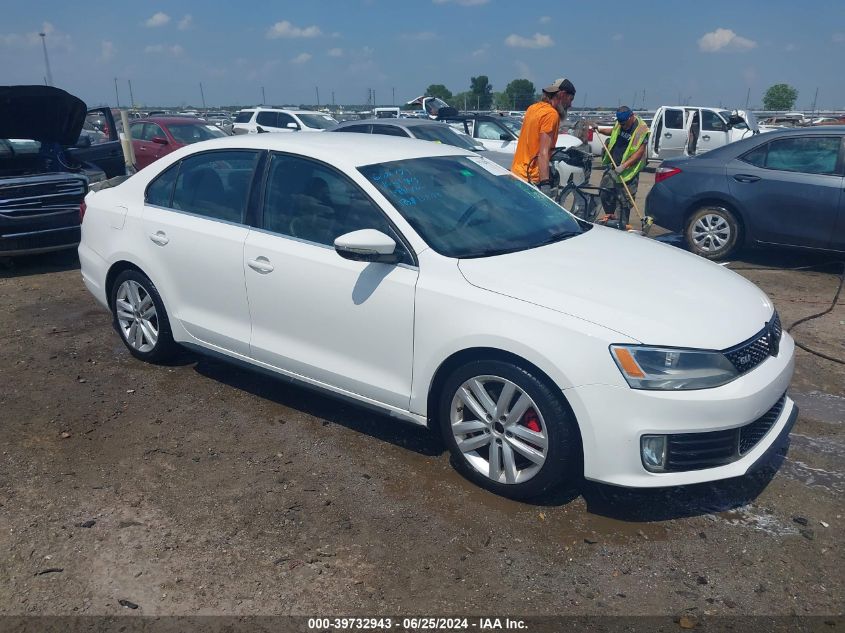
(706, 137)
(159, 238)
(668, 135)
(746, 178)
(261, 265)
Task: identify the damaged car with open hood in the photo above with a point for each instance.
(47, 161)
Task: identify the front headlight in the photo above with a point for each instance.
(672, 369)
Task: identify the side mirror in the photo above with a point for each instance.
(292, 126)
(504, 137)
(160, 140)
(367, 245)
(260, 130)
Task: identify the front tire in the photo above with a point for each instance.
(713, 232)
(508, 431)
(140, 318)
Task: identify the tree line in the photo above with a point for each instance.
(517, 95)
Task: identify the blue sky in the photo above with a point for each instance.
(710, 52)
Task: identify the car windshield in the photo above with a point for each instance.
(467, 206)
(318, 121)
(442, 133)
(194, 132)
(513, 124)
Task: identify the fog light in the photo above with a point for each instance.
(653, 452)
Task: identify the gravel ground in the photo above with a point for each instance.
(200, 488)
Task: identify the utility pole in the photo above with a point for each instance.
(317, 88)
(747, 98)
(263, 97)
(46, 59)
(333, 103)
(815, 100)
(374, 97)
(131, 97)
(116, 93)
(634, 100)
(642, 105)
(394, 97)
(202, 94)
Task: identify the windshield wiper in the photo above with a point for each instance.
(565, 235)
(490, 252)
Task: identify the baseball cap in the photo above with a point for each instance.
(560, 84)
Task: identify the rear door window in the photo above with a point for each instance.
(389, 130)
(243, 117)
(808, 155)
(160, 190)
(215, 184)
(361, 129)
(673, 119)
(712, 121)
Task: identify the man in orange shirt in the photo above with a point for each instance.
(538, 137)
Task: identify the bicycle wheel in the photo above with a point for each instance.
(578, 203)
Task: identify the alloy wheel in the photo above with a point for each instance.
(499, 429)
(137, 316)
(711, 233)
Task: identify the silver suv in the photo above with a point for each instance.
(257, 120)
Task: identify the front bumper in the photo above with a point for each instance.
(612, 420)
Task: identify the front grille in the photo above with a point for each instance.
(39, 195)
(746, 356)
(696, 451)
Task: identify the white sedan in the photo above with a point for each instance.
(430, 284)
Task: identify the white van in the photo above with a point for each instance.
(690, 130)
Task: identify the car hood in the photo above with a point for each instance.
(40, 113)
(648, 291)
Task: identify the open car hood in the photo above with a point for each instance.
(750, 119)
(40, 113)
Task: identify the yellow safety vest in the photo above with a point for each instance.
(637, 139)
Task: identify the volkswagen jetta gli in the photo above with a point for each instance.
(431, 284)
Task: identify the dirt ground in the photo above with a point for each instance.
(201, 488)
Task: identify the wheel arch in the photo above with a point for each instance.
(114, 271)
(473, 354)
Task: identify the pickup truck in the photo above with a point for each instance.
(49, 153)
(689, 130)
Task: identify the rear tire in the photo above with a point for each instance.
(713, 232)
(140, 318)
(508, 430)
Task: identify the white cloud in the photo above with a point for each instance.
(724, 40)
(545, 19)
(301, 58)
(107, 51)
(186, 22)
(335, 52)
(175, 50)
(55, 39)
(537, 41)
(618, 37)
(422, 36)
(465, 3)
(158, 19)
(480, 52)
(288, 30)
(838, 38)
(790, 47)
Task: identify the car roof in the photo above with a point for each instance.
(345, 150)
(168, 120)
(392, 121)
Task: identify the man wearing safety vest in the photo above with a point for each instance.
(627, 146)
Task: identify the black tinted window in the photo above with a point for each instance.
(809, 155)
(243, 117)
(363, 129)
(674, 119)
(160, 189)
(389, 130)
(267, 118)
(712, 121)
(284, 119)
(756, 156)
(215, 184)
(311, 201)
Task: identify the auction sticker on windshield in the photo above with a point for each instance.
(489, 165)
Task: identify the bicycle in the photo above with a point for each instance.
(584, 200)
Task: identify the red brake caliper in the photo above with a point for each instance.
(530, 420)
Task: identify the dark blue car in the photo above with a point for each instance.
(784, 188)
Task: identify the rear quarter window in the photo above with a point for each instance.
(243, 117)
